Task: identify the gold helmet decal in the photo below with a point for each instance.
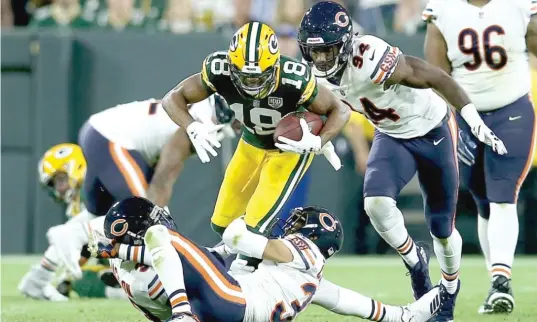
(254, 58)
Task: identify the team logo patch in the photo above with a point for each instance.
(63, 152)
(273, 44)
(327, 221)
(275, 102)
(119, 227)
(342, 19)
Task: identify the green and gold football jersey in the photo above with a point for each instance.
(296, 89)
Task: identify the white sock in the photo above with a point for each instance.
(347, 302)
(448, 252)
(482, 232)
(50, 260)
(503, 237)
(168, 266)
(390, 224)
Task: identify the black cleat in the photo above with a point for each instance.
(500, 299)
(419, 274)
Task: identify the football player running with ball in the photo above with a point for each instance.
(415, 132)
(484, 45)
(261, 87)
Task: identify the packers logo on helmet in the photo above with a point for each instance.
(254, 59)
(63, 158)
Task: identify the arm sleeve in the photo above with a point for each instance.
(136, 254)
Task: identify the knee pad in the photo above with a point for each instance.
(157, 236)
(441, 225)
(383, 212)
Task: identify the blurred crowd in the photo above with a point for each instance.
(182, 16)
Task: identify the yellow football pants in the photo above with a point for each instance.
(257, 184)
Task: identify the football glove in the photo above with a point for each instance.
(204, 139)
(466, 148)
(107, 250)
(240, 267)
(309, 143)
(480, 130)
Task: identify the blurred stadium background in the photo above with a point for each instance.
(63, 60)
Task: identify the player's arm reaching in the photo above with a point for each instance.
(416, 73)
(242, 241)
(176, 102)
(169, 166)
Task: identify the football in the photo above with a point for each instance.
(289, 125)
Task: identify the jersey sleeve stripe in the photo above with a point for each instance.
(374, 74)
(307, 95)
(205, 75)
(384, 75)
(155, 290)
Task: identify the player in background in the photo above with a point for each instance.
(415, 132)
(261, 87)
(121, 150)
(484, 46)
(279, 290)
(61, 171)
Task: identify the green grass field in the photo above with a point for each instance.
(380, 277)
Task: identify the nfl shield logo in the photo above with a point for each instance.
(257, 103)
(275, 102)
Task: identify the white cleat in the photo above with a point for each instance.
(37, 289)
(424, 308)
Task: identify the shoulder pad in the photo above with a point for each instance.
(297, 77)
(379, 59)
(214, 67)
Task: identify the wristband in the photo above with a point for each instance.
(471, 116)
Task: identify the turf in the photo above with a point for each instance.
(381, 277)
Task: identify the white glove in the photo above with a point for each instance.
(481, 131)
(204, 138)
(330, 154)
(309, 142)
(240, 267)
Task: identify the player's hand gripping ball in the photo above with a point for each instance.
(298, 132)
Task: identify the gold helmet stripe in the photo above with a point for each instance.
(251, 42)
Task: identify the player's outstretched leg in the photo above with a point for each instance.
(347, 302)
(390, 167)
(36, 283)
(389, 223)
(439, 178)
(169, 268)
(515, 125)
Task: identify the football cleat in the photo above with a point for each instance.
(445, 313)
(419, 274)
(424, 308)
(183, 317)
(38, 289)
(500, 298)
